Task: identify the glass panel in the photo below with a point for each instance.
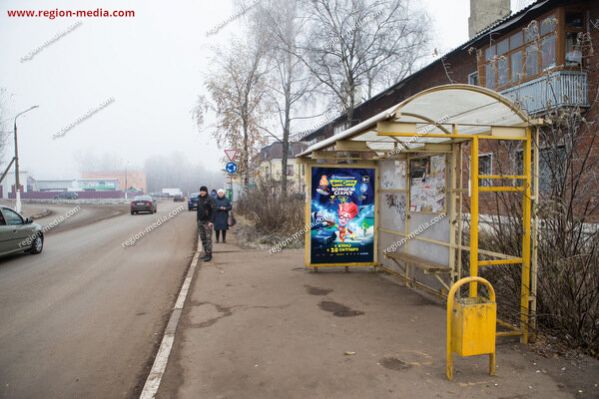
(490, 53)
(532, 61)
(502, 76)
(517, 71)
(503, 46)
(548, 25)
(573, 53)
(574, 20)
(490, 75)
(548, 51)
(531, 32)
(516, 40)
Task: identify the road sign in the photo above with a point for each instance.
(231, 154)
(231, 167)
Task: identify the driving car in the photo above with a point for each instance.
(19, 234)
(178, 198)
(143, 203)
(67, 195)
(192, 202)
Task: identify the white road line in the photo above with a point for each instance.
(158, 368)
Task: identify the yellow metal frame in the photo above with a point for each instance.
(525, 190)
(307, 213)
(488, 342)
(391, 126)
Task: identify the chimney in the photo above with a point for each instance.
(484, 12)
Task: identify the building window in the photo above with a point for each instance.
(289, 170)
(532, 60)
(574, 27)
(548, 55)
(521, 55)
(485, 167)
(516, 66)
(551, 170)
(490, 75)
(502, 71)
(573, 53)
(473, 79)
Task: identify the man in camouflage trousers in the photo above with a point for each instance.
(205, 218)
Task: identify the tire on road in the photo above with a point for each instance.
(37, 246)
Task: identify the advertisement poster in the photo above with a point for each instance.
(342, 215)
(427, 184)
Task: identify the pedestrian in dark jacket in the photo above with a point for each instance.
(205, 218)
(221, 217)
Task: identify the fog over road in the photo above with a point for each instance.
(82, 319)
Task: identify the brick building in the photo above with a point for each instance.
(540, 57)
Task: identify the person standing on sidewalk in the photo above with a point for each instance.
(221, 218)
(205, 217)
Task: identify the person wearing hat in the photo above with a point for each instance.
(205, 217)
(221, 217)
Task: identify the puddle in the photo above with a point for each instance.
(393, 363)
(317, 291)
(338, 309)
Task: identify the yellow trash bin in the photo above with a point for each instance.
(471, 325)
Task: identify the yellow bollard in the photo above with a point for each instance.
(471, 325)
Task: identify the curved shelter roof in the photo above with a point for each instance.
(456, 110)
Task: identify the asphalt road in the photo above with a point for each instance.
(83, 318)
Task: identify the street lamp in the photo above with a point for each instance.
(17, 182)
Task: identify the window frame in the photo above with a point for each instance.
(486, 182)
(490, 57)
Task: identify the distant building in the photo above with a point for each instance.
(269, 165)
(74, 185)
(127, 179)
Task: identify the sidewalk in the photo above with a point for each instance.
(259, 326)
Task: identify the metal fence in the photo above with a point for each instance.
(558, 89)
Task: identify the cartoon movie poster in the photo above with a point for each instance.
(342, 215)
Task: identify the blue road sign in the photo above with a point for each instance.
(231, 167)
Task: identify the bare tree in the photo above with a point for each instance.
(237, 89)
(568, 211)
(289, 80)
(354, 47)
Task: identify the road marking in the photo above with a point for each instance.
(158, 368)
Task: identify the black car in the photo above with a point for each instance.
(192, 202)
(67, 195)
(179, 198)
(143, 203)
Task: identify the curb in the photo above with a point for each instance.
(154, 379)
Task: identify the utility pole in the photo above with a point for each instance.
(17, 180)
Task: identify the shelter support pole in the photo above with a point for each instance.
(535, 232)
(460, 207)
(526, 216)
(452, 212)
(473, 215)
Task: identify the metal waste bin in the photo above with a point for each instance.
(471, 325)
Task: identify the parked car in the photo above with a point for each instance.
(19, 234)
(192, 202)
(143, 203)
(179, 198)
(70, 195)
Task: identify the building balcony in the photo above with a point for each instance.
(555, 90)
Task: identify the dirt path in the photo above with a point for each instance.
(259, 326)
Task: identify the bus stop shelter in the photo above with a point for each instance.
(401, 191)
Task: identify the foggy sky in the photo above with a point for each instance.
(141, 74)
